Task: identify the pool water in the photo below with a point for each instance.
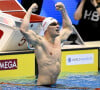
(67, 81)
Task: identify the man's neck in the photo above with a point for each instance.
(49, 39)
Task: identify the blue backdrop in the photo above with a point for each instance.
(48, 9)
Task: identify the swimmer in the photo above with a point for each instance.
(48, 47)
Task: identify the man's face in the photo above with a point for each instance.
(53, 29)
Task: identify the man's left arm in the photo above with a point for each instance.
(67, 24)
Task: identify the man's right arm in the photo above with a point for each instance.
(78, 12)
(29, 35)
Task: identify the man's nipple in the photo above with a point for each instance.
(50, 53)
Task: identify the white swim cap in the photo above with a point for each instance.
(47, 21)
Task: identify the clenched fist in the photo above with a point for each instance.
(59, 6)
(34, 7)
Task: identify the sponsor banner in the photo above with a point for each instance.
(80, 59)
(8, 64)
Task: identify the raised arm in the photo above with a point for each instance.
(78, 12)
(30, 35)
(67, 24)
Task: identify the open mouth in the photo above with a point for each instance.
(57, 30)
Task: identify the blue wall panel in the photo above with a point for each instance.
(48, 9)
